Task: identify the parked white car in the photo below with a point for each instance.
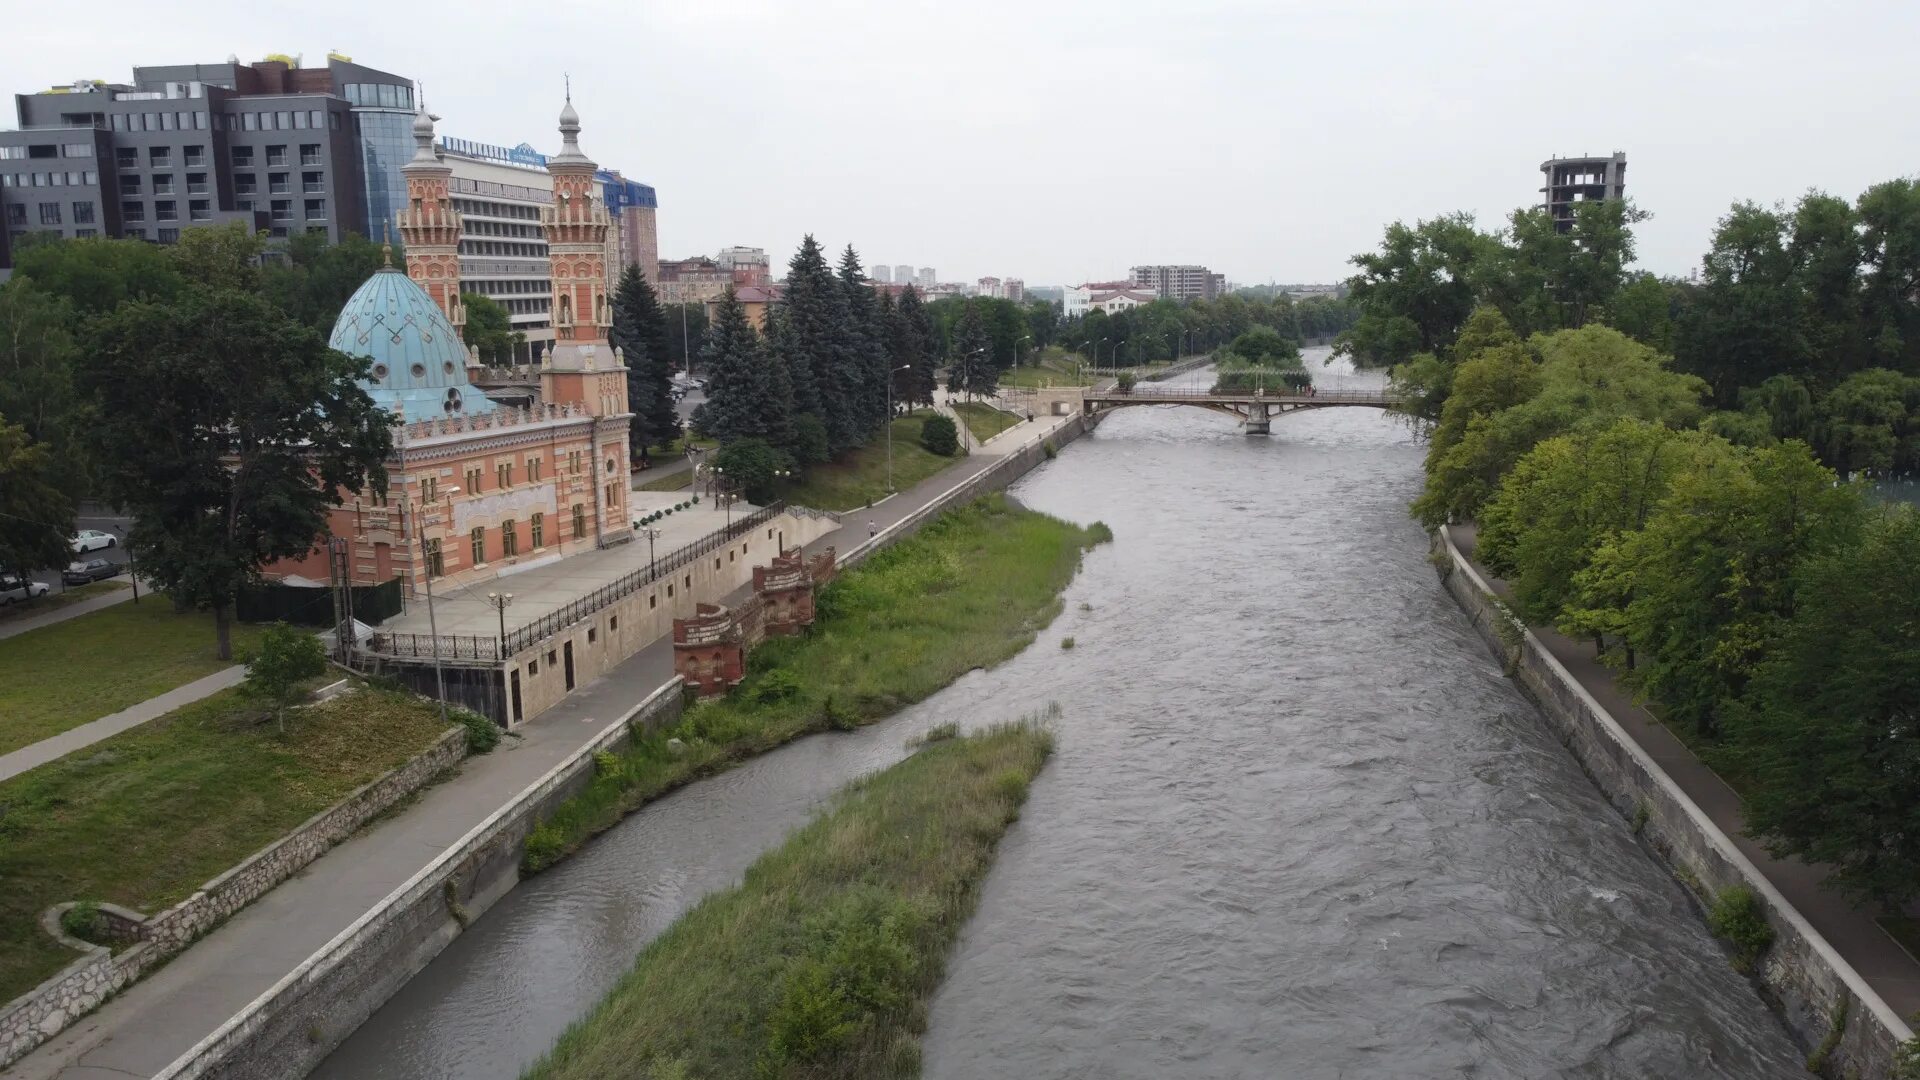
(92, 540)
(18, 588)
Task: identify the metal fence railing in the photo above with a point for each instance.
(493, 649)
(1190, 393)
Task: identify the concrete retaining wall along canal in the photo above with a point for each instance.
(1013, 466)
(295, 1024)
(1801, 975)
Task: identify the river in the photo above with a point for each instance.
(1297, 825)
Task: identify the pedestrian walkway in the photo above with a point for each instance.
(1852, 932)
(93, 603)
(59, 746)
(148, 1025)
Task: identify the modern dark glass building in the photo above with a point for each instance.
(283, 148)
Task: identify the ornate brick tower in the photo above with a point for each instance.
(430, 226)
(582, 369)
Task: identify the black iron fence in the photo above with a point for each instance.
(493, 649)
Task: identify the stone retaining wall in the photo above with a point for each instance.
(1801, 975)
(296, 1023)
(79, 988)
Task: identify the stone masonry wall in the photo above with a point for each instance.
(1804, 979)
(81, 987)
(295, 1024)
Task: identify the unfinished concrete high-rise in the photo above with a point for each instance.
(1580, 179)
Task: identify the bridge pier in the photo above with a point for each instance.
(1259, 418)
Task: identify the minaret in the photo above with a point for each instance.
(430, 226)
(577, 225)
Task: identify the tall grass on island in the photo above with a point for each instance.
(821, 962)
(970, 590)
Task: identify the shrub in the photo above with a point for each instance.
(1125, 381)
(482, 734)
(777, 685)
(1047, 448)
(810, 440)
(941, 732)
(545, 844)
(1738, 918)
(277, 671)
(1066, 643)
(82, 920)
(749, 466)
(938, 435)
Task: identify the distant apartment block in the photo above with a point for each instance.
(1581, 179)
(882, 274)
(1185, 282)
(747, 264)
(902, 274)
(926, 278)
(1014, 289)
(989, 287)
(693, 281)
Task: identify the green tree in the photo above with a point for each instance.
(1826, 731)
(36, 518)
(489, 330)
(1870, 424)
(1642, 309)
(918, 346)
(1415, 292)
(754, 468)
(1745, 322)
(864, 366)
(972, 370)
(1263, 346)
(97, 276)
(1889, 216)
(1703, 591)
(227, 430)
(811, 343)
(748, 396)
(940, 435)
(640, 333)
(279, 667)
(220, 257)
(37, 354)
(316, 278)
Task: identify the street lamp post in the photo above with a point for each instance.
(499, 602)
(433, 625)
(653, 569)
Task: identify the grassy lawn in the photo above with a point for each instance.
(984, 421)
(54, 601)
(145, 817)
(72, 672)
(860, 477)
(968, 591)
(822, 962)
(669, 483)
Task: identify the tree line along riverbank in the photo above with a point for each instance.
(970, 590)
(821, 963)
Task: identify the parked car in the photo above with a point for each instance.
(14, 588)
(81, 573)
(92, 540)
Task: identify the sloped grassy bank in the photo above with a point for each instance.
(822, 961)
(971, 589)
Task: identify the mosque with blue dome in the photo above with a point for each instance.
(477, 487)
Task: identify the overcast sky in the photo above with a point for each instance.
(1062, 142)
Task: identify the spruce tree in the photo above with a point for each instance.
(748, 394)
(640, 333)
(812, 306)
(917, 346)
(890, 331)
(972, 369)
(866, 363)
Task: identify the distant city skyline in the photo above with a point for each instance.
(1322, 123)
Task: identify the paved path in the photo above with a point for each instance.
(93, 603)
(58, 746)
(147, 1026)
(1893, 974)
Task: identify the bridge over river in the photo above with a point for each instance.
(1254, 409)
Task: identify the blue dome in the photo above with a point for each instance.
(419, 364)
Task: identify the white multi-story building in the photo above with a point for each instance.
(902, 274)
(927, 280)
(1077, 300)
(883, 274)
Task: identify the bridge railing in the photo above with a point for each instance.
(1197, 393)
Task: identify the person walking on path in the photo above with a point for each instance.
(872, 531)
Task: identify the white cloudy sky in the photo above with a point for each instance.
(1065, 141)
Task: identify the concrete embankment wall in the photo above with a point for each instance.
(1017, 463)
(291, 1028)
(1801, 975)
(295, 1024)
